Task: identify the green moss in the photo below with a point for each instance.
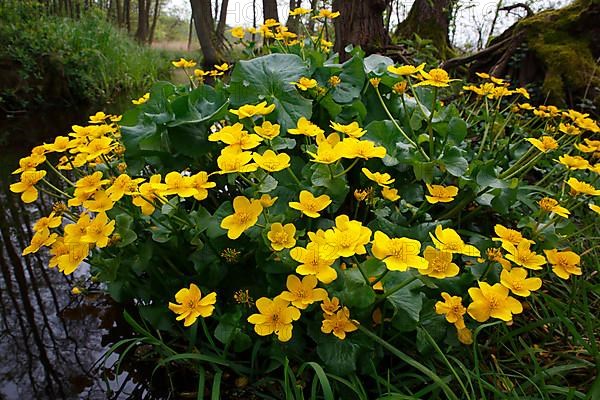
(567, 58)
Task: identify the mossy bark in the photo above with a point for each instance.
(557, 51)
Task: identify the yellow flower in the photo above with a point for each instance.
(282, 236)
(483, 75)
(200, 74)
(362, 194)
(354, 148)
(57, 249)
(237, 32)
(574, 162)
(326, 153)
(544, 143)
(223, 67)
(267, 130)
(46, 223)
(99, 230)
(99, 202)
(375, 82)
(523, 256)
(245, 215)
(564, 263)
(325, 13)
(569, 129)
(98, 118)
(305, 127)
(523, 92)
(315, 260)
(267, 201)
(26, 187)
(582, 187)
(507, 235)
(448, 240)
(275, 316)
(182, 186)
(248, 110)
(436, 77)
(236, 137)
(73, 257)
(90, 183)
(390, 194)
(405, 69)
(452, 308)
(492, 301)
(40, 239)
(232, 160)
(496, 255)
(299, 11)
(75, 290)
(311, 205)
(379, 178)
(142, 99)
(551, 205)
(74, 232)
(305, 83)
(339, 323)
(191, 305)
(122, 185)
(330, 306)
(441, 194)
(148, 192)
(440, 264)
(29, 163)
(269, 161)
(335, 80)
(183, 63)
(398, 254)
(60, 144)
(303, 293)
(201, 183)
(348, 237)
(464, 335)
(352, 129)
(516, 280)
(594, 208)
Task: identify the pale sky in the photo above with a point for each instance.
(474, 16)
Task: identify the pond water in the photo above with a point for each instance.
(51, 341)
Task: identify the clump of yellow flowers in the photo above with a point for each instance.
(323, 218)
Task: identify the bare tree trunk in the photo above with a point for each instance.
(119, 16)
(154, 20)
(141, 34)
(189, 43)
(127, 14)
(221, 23)
(293, 22)
(314, 5)
(360, 23)
(204, 24)
(430, 19)
(270, 10)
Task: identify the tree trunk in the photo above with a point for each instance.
(204, 24)
(119, 16)
(154, 20)
(293, 22)
(221, 23)
(127, 14)
(314, 5)
(141, 34)
(270, 10)
(430, 19)
(360, 23)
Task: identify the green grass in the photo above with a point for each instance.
(94, 60)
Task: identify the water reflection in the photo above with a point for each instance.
(50, 340)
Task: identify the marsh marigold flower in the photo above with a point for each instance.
(72, 258)
(495, 255)
(282, 236)
(398, 254)
(310, 205)
(551, 205)
(267, 130)
(245, 215)
(365, 149)
(390, 194)
(522, 255)
(269, 161)
(440, 264)
(544, 143)
(404, 70)
(330, 306)
(249, 110)
(507, 235)
(305, 83)
(352, 129)
(191, 305)
(348, 237)
(148, 193)
(441, 194)
(325, 13)
(436, 77)
(339, 323)
(232, 160)
(299, 11)
(237, 32)
(594, 208)
(582, 187)
(40, 239)
(302, 293)
(448, 240)
(564, 263)
(516, 280)
(26, 186)
(267, 201)
(452, 309)
(99, 230)
(141, 100)
(492, 301)
(275, 316)
(183, 63)
(574, 162)
(379, 178)
(315, 260)
(46, 223)
(305, 127)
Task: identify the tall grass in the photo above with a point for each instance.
(94, 59)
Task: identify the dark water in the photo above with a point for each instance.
(51, 341)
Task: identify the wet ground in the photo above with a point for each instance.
(51, 341)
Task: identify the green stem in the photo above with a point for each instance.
(430, 123)
(398, 287)
(344, 172)
(64, 178)
(293, 175)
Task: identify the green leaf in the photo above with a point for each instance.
(268, 79)
(377, 64)
(424, 170)
(406, 300)
(454, 162)
(487, 177)
(355, 291)
(123, 224)
(457, 129)
(352, 81)
(338, 355)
